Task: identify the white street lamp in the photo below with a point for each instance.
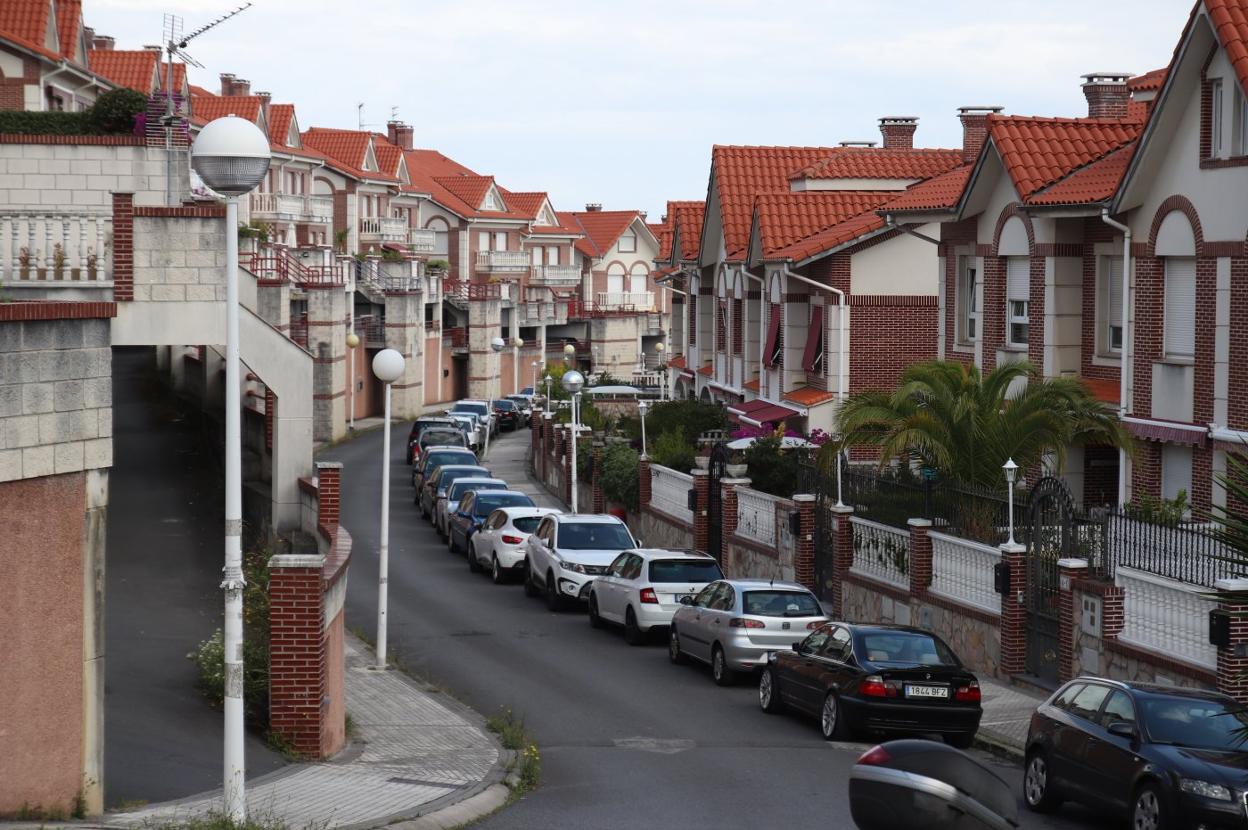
(515, 367)
(497, 344)
(535, 365)
(642, 406)
(658, 349)
(569, 352)
(353, 340)
(231, 155)
(573, 382)
(388, 366)
(1010, 470)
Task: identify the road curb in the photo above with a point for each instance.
(474, 808)
(999, 747)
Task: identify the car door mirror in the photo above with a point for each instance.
(797, 646)
(1121, 728)
(686, 600)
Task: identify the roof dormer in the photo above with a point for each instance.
(493, 200)
(370, 159)
(546, 215)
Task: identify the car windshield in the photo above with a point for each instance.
(777, 603)
(526, 524)
(685, 570)
(518, 400)
(906, 648)
(474, 408)
(1197, 723)
(505, 406)
(420, 427)
(528, 390)
(457, 490)
(487, 504)
(437, 458)
(594, 536)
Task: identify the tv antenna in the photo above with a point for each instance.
(359, 117)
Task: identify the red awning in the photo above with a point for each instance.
(394, 246)
(814, 339)
(773, 335)
(1170, 432)
(758, 412)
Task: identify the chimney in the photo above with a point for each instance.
(593, 207)
(858, 143)
(898, 131)
(152, 47)
(230, 85)
(974, 130)
(642, 214)
(1107, 94)
(265, 98)
(88, 34)
(400, 134)
(103, 42)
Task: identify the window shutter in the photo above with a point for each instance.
(773, 336)
(814, 340)
(1115, 291)
(1180, 306)
(1176, 471)
(1018, 278)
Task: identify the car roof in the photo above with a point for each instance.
(480, 480)
(765, 583)
(445, 467)
(468, 400)
(501, 493)
(1143, 688)
(520, 511)
(589, 518)
(668, 553)
(905, 629)
(432, 419)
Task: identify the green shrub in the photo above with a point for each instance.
(114, 112)
(772, 470)
(670, 450)
(619, 475)
(689, 419)
(45, 123)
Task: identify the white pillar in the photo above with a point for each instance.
(383, 565)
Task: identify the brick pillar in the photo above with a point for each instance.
(599, 500)
(842, 553)
(920, 556)
(1113, 612)
(804, 556)
(1068, 572)
(1013, 613)
(1232, 667)
(123, 246)
(297, 647)
(643, 481)
(328, 493)
(728, 504)
(701, 521)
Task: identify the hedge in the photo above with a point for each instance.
(113, 113)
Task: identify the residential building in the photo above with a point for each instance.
(44, 62)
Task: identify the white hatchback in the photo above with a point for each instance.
(500, 543)
(568, 550)
(642, 589)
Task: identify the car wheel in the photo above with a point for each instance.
(1038, 790)
(595, 621)
(673, 648)
(961, 740)
(553, 601)
(722, 675)
(1148, 812)
(633, 635)
(768, 692)
(530, 587)
(496, 571)
(473, 565)
(832, 719)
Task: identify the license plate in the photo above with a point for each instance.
(926, 691)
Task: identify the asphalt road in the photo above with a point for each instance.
(627, 740)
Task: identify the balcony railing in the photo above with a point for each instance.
(283, 206)
(381, 229)
(319, 208)
(556, 275)
(56, 247)
(625, 301)
(421, 241)
(502, 261)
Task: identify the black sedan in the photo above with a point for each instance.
(1164, 756)
(874, 678)
(508, 414)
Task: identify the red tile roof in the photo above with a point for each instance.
(706, 370)
(784, 218)
(200, 92)
(1095, 182)
(879, 163)
(132, 69)
(68, 25)
(25, 22)
(941, 192)
(470, 188)
(1148, 81)
(752, 385)
(388, 155)
(603, 227)
(211, 107)
(677, 362)
(179, 76)
(663, 233)
(832, 237)
(427, 168)
(685, 217)
(1230, 21)
(280, 118)
(346, 150)
(741, 173)
(1039, 151)
(527, 203)
(806, 396)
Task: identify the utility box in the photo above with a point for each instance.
(1090, 620)
(1220, 627)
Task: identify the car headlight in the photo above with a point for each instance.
(1205, 789)
(572, 566)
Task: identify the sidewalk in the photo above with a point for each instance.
(414, 752)
(1007, 713)
(508, 460)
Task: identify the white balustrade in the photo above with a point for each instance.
(384, 228)
(1166, 616)
(564, 275)
(56, 247)
(640, 300)
(319, 208)
(421, 241)
(503, 261)
(881, 552)
(756, 516)
(669, 492)
(962, 571)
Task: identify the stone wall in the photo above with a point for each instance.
(76, 176)
(182, 260)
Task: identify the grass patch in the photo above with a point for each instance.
(219, 821)
(524, 772)
(509, 730)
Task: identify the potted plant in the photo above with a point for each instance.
(23, 262)
(58, 260)
(437, 267)
(703, 459)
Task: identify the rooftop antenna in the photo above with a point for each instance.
(175, 43)
(394, 113)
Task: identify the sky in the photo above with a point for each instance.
(620, 102)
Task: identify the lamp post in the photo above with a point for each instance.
(642, 406)
(388, 367)
(231, 155)
(497, 345)
(573, 381)
(535, 365)
(569, 353)
(353, 340)
(515, 367)
(658, 350)
(1010, 470)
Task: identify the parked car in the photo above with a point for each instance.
(1160, 755)
(499, 544)
(524, 404)
(419, 426)
(450, 436)
(436, 457)
(474, 507)
(434, 488)
(507, 413)
(567, 550)
(642, 589)
(470, 426)
(455, 493)
(479, 408)
(879, 678)
(733, 624)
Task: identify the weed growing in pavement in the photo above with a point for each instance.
(509, 730)
(35, 812)
(350, 728)
(525, 769)
(218, 821)
(130, 804)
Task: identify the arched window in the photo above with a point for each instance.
(441, 233)
(638, 278)
(615, 278)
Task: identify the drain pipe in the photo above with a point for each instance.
(1126, 315)
(762, 327)
(843, 369)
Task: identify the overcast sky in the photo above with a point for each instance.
(619, 102)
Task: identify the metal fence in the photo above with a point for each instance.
(881, 552)
(1184, 552)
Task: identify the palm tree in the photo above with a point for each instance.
(1231, 526)
(965, 424)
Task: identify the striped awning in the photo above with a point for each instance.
(758, 412)
(1170, 432)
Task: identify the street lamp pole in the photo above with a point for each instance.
(1011, 469)
(388, 367)
(353, 340)
(535, 377)
(641, 407)
(573, 382)
(232, 156)
(658, 349)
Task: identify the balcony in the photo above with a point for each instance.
(625, 301)
(493, 261)
(421, 241)
(556, 276)
(56, 248)
(380, 229)
(280, 207)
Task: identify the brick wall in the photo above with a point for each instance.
(1094, 231)
(887, 334)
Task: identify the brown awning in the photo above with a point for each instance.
(814, 339)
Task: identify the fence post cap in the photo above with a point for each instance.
(735, 482)
(697, 473)
(841, 509)
(919, 522)
(1238, 583)
(644, 457)
(328, 465)
(1072, 564)
(803, 497)
(1006, 547)
(296, 560)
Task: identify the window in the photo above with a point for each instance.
(838, 646)
(968, 300)
(537, 256)
(1215, 118)
(776, 603)
(1239, 131)
(628, 242)
(1180, 336)
(684, 570)
(638, 276)
(812, 358)
(552, 255)
(1088, 702)
(441, 235)
(1176, 471)
(1118, 709)
(816, 642)
(738, 327)
(775, 339)
(1109, 306)
(725, 598)
(615, 278)
(1063, 701)
(705, 596)
(594, 536)
(500, 240)
(721, 327)
(1017, 300)
(905, 648)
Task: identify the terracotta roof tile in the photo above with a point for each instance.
(832, 237)
(706, 370)
(603, 227)
(1095, 182)
(806, 396)
(1039, 151)
(741, 173)
(200, 92)
(937, 193)
(1230, 21)
(879, 163)
(677, 362)
(527, 203)
(685, 217)
(25, 22)
(470, 188)
(69, 25)
(346, 150)
(179, 76)
(132, 69)
(663, 232)
(427, 169)
(210, 108)
(1148, 81)
(784, 218)
(388, 155)
(280, 118)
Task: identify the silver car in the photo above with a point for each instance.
(733, 624)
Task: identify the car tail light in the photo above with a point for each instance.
(512, 540)
(738, 622)
(648, 596)
(875, 756)
(876, 686)
(811, 626)
(968, 693)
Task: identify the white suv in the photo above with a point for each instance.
(642, 589)
(568, 550)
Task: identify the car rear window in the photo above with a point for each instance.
(449, 476)
(775, 603)
(907, 648)
(438, 458)
(475, 408)
(594, 536)
(458, 488)
(526, 524)
(684, 570)
(506, 406)
(447, 435)
(487, 504)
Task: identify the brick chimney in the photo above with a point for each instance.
(593, 207)
(103, 42)
(974, 130)
(265, 98)
(231, 85)
(898, 131)
(152, 47)
(400, 134)
(1107, 94)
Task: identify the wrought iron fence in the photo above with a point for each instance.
(1186, 552)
